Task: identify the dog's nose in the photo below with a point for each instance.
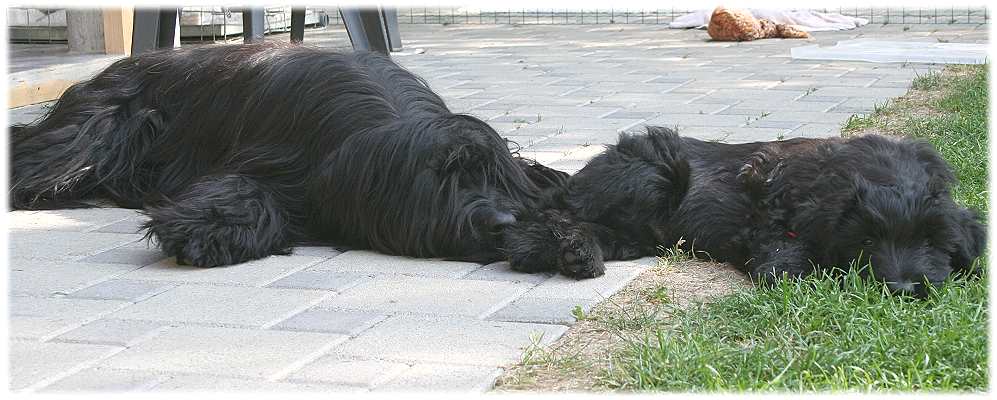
(904, 287)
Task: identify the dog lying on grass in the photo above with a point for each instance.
(238, 152)
(781, 208)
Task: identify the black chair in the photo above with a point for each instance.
(373, 29)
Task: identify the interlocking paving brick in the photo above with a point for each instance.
(122, 289)
(203, 383)
(112, 332)
(370, 262)
(128, 225)
(45, 278)
(442, 378)
(138, 253)
(543, 310)
(63, 308)
(224, 352)
(562, 287)
(257, 272)
(339, 371)
(63, 246)
(40, 328)
(226, 305)
(71, 220)
(35, 363)
(501, 271)
(427, 295)
(316, 251)
(454, 340)
(107, 380)
(322, 280)
(346, 322)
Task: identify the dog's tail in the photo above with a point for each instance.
(663, 148)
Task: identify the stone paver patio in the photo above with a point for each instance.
(94, 308)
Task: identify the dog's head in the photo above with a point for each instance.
(906, 226)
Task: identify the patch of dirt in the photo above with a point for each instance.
(579, 360)
(919, 100)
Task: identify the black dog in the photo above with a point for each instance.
(238, 152)
(786, 207)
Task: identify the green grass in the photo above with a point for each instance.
(817, 335)
(822, 334)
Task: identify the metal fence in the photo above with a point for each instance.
(459, 15)
(38, 25)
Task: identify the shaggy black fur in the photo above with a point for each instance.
(787, 207)
(238, 152)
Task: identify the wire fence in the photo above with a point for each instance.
(459, 15)
(213, 23)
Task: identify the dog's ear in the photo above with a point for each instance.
(969, 238)
(940, 175)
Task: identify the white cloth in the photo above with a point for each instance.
(807, 20)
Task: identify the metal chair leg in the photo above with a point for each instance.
(253, 23)
(365, 26)
(391, 27)
(297, 24)
(154, 28)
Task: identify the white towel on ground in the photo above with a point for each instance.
(810, 21)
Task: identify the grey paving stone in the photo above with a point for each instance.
(122, 289)
(63, 246)
(542, 310)
(818, 130)
(462, 341)
(429, 377)
(225, 352)
(203, 383)
(257, 272)
(46, 278)
(63, 308)
(321, 280)
(316, 251)
(138, 253)
(339, 371)
(37, 364)
(346, 322)
(369, 262)
(70, 220)
(684, 120)
(128, 225)
(106, 380)
(501, 271)
(224, 305)
(112, 332)
(40, 328)
(766, 123)
(427, 295)
(561, 287)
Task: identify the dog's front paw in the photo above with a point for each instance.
(580, 258)
(766, 274)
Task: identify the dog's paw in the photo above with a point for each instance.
(580, 258)
(768, 273)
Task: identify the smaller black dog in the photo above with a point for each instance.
(787, 207)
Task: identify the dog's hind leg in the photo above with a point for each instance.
(220, 220)
(85, 146)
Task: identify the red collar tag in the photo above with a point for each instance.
(791, 234)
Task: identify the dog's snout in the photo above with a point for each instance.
(901, 286)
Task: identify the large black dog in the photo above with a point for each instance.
(238, 152)
(787, 207)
